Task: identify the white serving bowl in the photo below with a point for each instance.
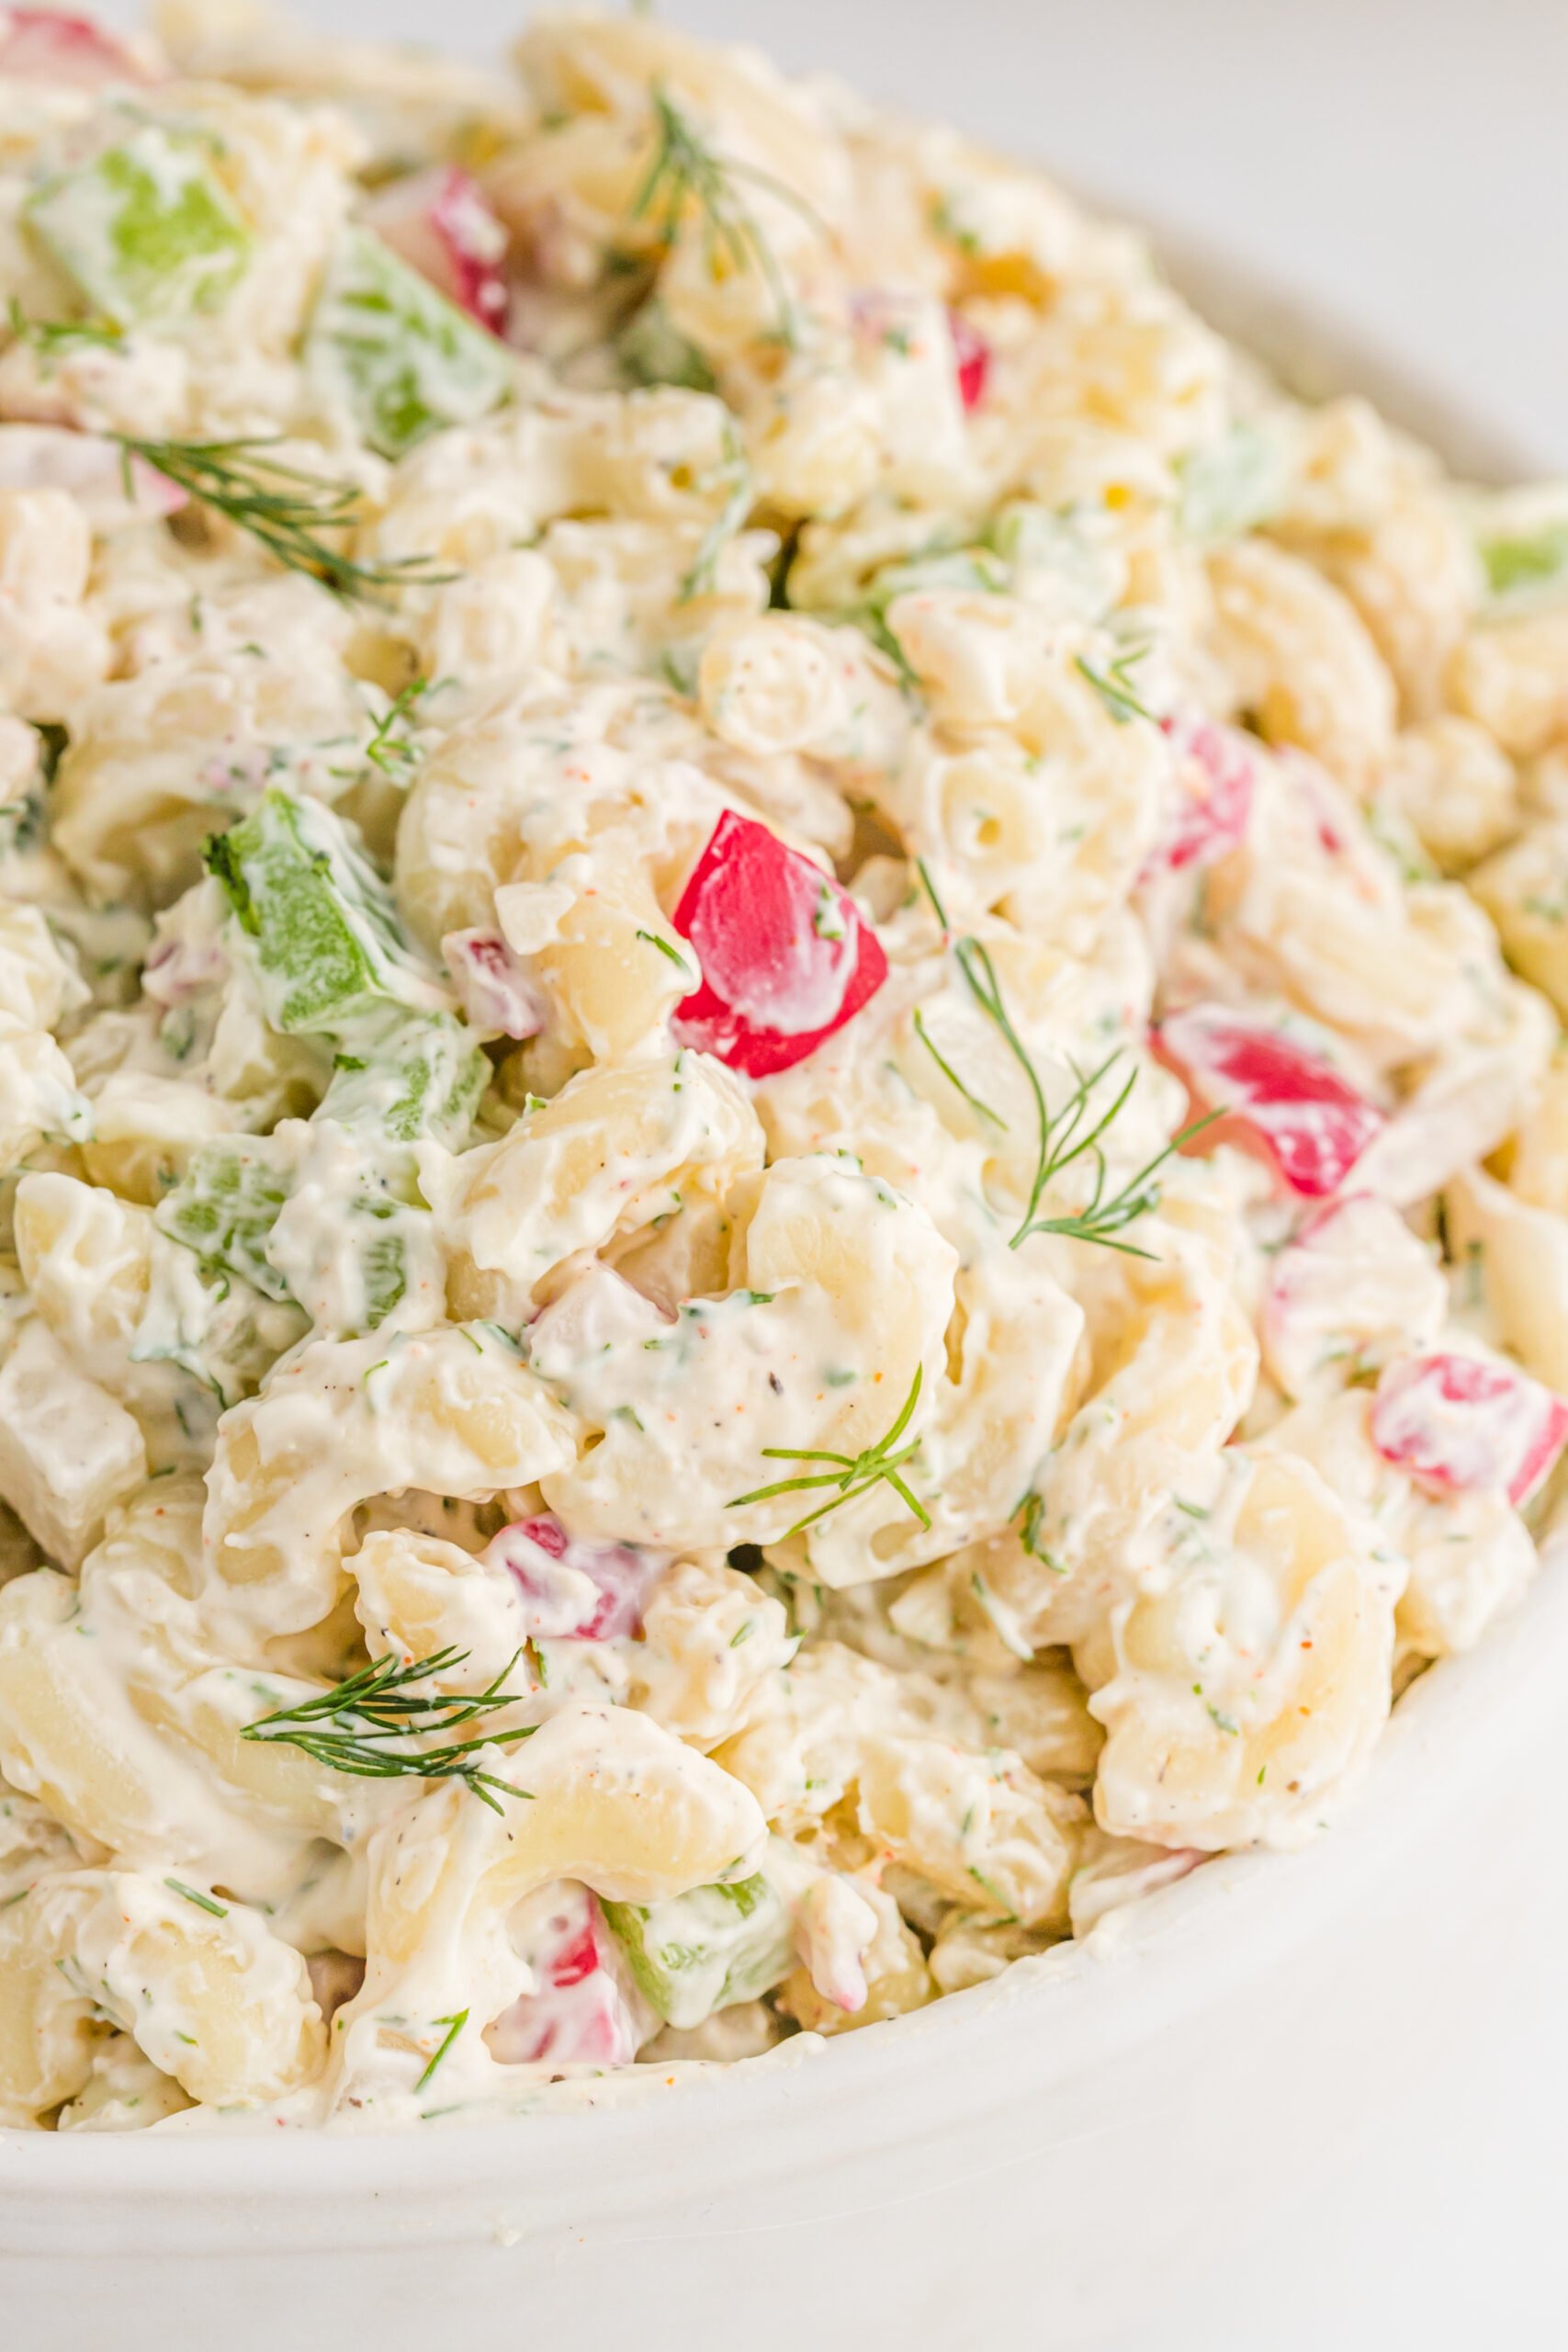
(1055, 2144)
(1058, 2143)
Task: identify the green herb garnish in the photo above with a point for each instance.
(454, 2025)
(293, 513)
(702, 578)
(51, 337)
(952, 1074)
(686, 171)
(391, 750)
(853, 1474)
(664, 948)
(348, 1727)
(1114, 686)
(1071, 1133)
(194, 1894)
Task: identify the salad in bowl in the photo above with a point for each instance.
(784, 1159)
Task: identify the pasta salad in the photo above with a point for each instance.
(783, 1156)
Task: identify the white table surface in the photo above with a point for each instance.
(1402, 162)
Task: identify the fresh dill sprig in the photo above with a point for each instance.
(1075, 1130)
(348, 1727)
(686, 171)
(293, 513)
(951, 1076)
(702, 578)
(49, 337)
(1066, 1137)
(853, 1474)
(973, 961)
(1114, 685)
(393, 752)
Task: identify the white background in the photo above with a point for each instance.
(1402, 162)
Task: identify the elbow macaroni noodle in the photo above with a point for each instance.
(784, 1186)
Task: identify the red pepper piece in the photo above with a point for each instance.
(972, 359)
(535, 1551)
(1218, 777)
(37, 45)
(786, 957)
(1457, 1422)
(1281, 1097)
(440, 222)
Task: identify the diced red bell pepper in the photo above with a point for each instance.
(498, 996)
(37, 45)
(786, 957)
(971, 357)
(574, 1588)
(1280, 1096)
(1218, 777)
(439, 222)
(1457, 1422)
(581, 2013)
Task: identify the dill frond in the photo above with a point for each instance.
(300, 518)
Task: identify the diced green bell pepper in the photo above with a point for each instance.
(422, 1080)
(331, 955)
(1056, 554)
(652, 350)
(146, 230)
(316, 919)
(225, 1205)
(698, 1952)
(1231, 486)
(1525, 565)
(405, 361)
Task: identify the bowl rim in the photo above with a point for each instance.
(249, 2189)
(756, 2123)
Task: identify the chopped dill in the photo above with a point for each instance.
(297, 516)
(194, 1894)
(347, 1727)
(1114, 685)
(687, 172)
(853, 1474)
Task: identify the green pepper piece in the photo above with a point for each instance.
(146, 230)
(1231, 486)
(316, 918)
(1526, 564)
(402, 358)
(225, 1205)
(421, 1079)
(694, 1953)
